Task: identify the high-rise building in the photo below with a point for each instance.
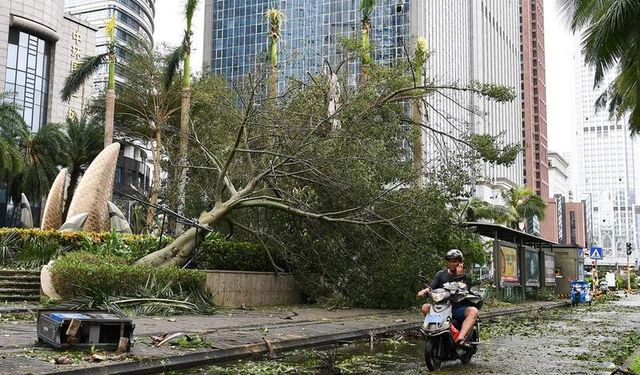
(469, 41)
(134, 19)
(235, 40)
(39, 47)
(559, 176)
(534, 102)
(606, 171)
(474, 41)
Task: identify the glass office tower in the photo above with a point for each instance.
(235, 39)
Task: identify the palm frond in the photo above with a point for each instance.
(366, 6)
(10, 159)
(274, 16)
(173, 62)
(76, 79)
(190, 8)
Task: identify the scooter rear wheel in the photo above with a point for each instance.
(431, 356)
(466, 357)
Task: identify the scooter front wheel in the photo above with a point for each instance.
(431, 357)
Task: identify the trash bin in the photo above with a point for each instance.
(579, 292)
(84, 329)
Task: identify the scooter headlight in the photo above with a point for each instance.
(439, 295)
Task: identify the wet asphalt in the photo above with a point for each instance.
(566, 341)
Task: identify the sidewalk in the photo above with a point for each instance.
(234, 334)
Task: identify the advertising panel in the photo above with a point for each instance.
(532, 264)
(549, 270)
(509, 265)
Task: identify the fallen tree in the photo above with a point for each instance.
(250, 156)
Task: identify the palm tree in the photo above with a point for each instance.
(274, 17)
(87, 68)
(39, 156)
(145, 107)
(82, 140)
(183, 53)
(366, 7)
(522, 204)
(418, 110)
(477, 209)
(10, 159)
(611, 38)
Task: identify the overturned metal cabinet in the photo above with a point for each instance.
(85, 329)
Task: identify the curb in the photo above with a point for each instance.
(18, 310)
(209, 357)
(625, 368)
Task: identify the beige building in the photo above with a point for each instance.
(39, 46)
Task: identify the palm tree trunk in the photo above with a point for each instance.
(109, 113)
(333, 98)
(155, 187)
(418, 110)
(273, 70)
(366, 53)
(273, 84)
(111, 98)
(418, 118)
(183, 146)
(184, 130)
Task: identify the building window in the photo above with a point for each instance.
(118, 175)
(27, 76)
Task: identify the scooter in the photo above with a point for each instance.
(440, 331)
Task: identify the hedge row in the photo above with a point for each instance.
(216, 254)
(99, 276)
(31, 248)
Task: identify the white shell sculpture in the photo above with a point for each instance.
(95, 190)
(53, 209)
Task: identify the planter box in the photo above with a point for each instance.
(234, 288)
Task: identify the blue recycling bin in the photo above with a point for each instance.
(579, 292)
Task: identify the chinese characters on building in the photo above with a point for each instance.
(76, 61)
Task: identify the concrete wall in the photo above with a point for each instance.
(234, 288)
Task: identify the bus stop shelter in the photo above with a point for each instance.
(520, 260)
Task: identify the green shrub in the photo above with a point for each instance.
(541, 294)
(101, 276)
(31, 248)
(218, 254)
(621, 281)
(36, 252)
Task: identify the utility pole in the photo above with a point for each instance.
(629, 251)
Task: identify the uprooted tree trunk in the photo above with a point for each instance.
(178, 252)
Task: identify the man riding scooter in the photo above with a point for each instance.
(461, 312)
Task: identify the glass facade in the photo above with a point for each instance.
(311, 34)
(27, 76)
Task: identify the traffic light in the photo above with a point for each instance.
(629, 249)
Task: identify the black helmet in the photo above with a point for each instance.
(454, 254)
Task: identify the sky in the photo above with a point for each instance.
(559, 48)
(170, 24)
